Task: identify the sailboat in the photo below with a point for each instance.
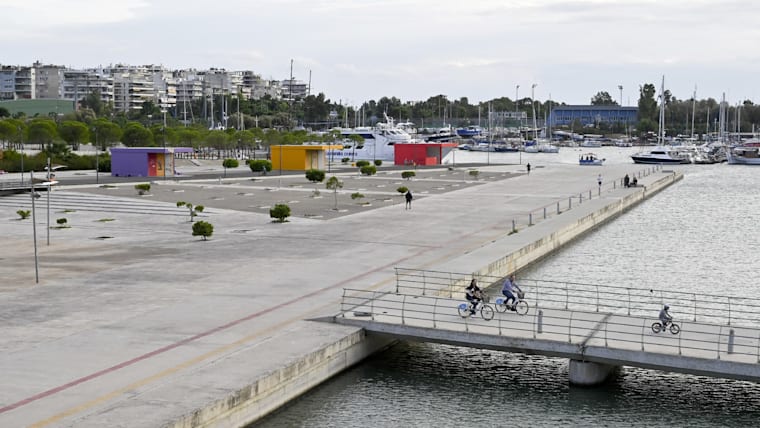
(661, 154)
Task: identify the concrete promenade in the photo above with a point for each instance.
(135, 322)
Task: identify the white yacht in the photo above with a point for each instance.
(743, 155)
(378, 142)
(661, 155)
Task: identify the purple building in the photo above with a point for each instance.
(145, 161)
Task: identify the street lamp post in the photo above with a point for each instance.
(21, 143)
(34, 228)
(163, 136)
(517, 87)
(97, 159)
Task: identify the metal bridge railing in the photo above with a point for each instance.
(588, 328)
(728, 310)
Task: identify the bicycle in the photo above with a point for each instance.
(486, 311)
(520, 306)
(673, 327)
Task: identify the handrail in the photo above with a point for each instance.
(620, 331)
(734, 310)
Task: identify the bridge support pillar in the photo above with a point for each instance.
(586, 373)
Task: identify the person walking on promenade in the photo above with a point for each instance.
(528, 167)
(626, 181)
(409, 198)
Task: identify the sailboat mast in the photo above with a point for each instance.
(662, 112)
(693, 111)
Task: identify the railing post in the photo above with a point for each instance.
(720, 334)
(679, 339)
(435, 309)
(614, 185)
(731, 341)
(605, 332)
(544, 213)
(589, 195)
(694, 297)
(729, 310)
(424, 283)
(597, 298)
(643, 326)
(514, 229)
(530, 219)
(403, 309)
(570, 203)
(372, 305)
(570, 328)
(629, 301)
(557, 207)
(580, 198)
(396, 269)
(342, 304)
(567, 296)
(539, 323)
(451, 286)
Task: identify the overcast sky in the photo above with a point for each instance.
(359, 50)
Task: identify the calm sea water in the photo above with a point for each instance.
(699, 235)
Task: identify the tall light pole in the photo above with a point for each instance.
(517, 87)
(533, 106)
(621, 105)
(21, 143)
(163, 136)
(34, 228)
(97, 163)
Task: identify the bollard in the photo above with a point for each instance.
(731, 341)
(530, 219)
(589, 194)
(569, 202)
(540, 321)
(544, 213)
(557, 207)
(514, 229)
(580, 198)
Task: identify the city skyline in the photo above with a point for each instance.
(363, 50)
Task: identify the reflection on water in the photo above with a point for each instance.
(415, 384)
(698, 236)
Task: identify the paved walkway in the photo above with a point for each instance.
(136, 323)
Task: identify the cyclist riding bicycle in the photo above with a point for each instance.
(508, 289)
(665, 317)
(473, 295)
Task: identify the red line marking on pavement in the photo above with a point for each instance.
(158, 351)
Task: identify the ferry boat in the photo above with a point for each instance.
(378, 142)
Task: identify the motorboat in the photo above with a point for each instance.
(376, 142)
(661, 155)
(590, 159)
(743, 155)
(469, 132)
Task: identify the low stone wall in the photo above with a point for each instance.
(266, 394)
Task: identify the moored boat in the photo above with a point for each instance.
(590, 159)
(743, 155)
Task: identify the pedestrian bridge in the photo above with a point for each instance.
(599, 328)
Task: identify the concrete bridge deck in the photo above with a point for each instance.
(137, 323)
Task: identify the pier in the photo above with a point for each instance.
(135, 322)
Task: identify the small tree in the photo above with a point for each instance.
(315, 176)
(333, 183)
(280, 212)
(24, 214)
(142, 188)
(356, 196)
(194, 210)
(229, 163)
(260, 165)
(368, 170)
(402, 189)
(407, 175)
(474, 173)
(202, 228)
(378, 162)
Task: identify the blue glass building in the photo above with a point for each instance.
(591, 115)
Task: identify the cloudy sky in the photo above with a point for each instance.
(364, 49)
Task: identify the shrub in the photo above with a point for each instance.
(362, 163)
(368, 170)
(280, 212)
(230, 163)
(203, 228)
(408, 175)
(356, 195)
(402, 189)
(474, 173)
(378, 162)
(260, 165)
(24, 214)
(142, 188)
(61, 222)
(315, 175)
(345, 160)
